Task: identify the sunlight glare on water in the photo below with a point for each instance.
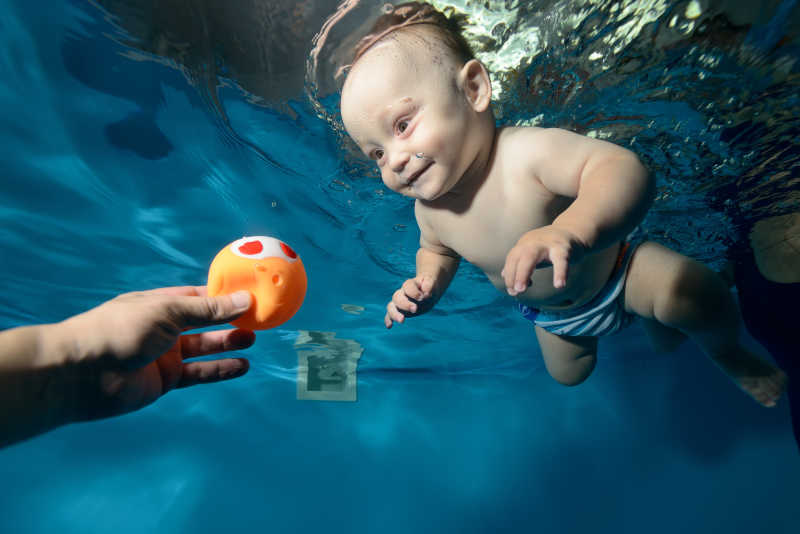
(683, 84)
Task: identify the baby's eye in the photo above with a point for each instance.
(377, 154)
(402, 126)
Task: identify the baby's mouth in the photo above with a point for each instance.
(413, 178)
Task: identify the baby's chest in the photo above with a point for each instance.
(485, 233)
(482, 243)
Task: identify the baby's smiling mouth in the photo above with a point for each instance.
(413, 178)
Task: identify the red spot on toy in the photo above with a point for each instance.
(252, 247)
(288, 250)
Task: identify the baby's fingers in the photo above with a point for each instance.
(509, 274)
(412, 288)
(426, 286)
(560, 261)
(393, 315)
(517, 273)
(404, 302)
(522, 274)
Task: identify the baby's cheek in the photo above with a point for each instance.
(435, 139)
(389, 179)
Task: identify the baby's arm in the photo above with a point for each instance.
(612, 189)
(612, 192)
(436, 267)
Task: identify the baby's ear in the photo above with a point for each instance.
(474, 81)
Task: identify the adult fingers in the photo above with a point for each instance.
(206, 311)
(174, 291)
(213, 342)
(212, 371)
(177, 291)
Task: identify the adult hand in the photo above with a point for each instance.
(115, 358)
(132, 351)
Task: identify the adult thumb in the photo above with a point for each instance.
(207, 311)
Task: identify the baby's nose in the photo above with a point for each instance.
(398, 161)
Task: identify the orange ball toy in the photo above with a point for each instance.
(270, 270)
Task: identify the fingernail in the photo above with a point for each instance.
(241, 300)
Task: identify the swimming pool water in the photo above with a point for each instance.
(119, 175)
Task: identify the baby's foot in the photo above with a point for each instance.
(756, 377)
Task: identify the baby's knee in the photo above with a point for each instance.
(692, 294)
(573, 372)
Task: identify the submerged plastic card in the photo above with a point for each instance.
(326, 367)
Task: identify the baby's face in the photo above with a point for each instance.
(409, 115)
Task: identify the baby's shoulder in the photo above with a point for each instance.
(528, 137)
(522, 145)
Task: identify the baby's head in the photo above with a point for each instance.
(418, 103)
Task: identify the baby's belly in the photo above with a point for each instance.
(584, 280)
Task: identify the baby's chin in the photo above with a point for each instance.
(428, 194)
(441, 189)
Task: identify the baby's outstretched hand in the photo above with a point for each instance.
(548, 244)
(413, 298)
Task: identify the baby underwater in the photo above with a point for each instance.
(543, 212)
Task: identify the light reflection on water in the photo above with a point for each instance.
(705, 93)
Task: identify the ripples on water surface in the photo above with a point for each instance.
(705, 92)
(139, 137)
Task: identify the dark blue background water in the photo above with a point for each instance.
(117, 175)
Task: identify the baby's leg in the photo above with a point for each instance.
(684, 294)
(663, 338)
(570, 360)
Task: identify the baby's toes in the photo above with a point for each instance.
(774, 390)
(766, 397)
(778, 382)
(771, 386)
(760, 390)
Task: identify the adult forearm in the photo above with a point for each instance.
(32, 397)
(613, 199)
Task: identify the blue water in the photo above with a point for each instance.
(119, 174)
